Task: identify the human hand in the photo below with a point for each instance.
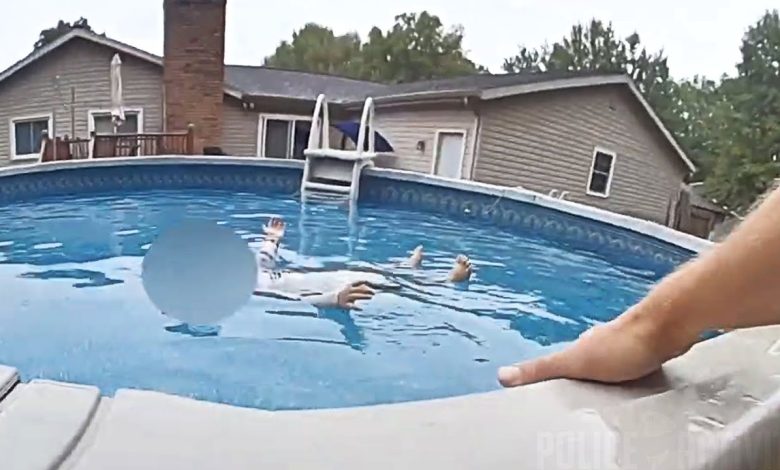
(627, 348)
(275, 228)
(352, 293)
(461, 269)
(415, 260)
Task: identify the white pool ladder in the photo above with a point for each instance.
(332, 173)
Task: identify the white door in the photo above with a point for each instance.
(449, 154)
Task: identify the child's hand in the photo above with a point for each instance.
(275, 228)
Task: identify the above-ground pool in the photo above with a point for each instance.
(73, 306)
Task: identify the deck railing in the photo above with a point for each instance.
(118, 145)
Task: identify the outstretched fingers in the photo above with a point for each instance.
(554, 366)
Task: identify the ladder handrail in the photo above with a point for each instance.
(318, 149)
(319, 133)
(367, 123)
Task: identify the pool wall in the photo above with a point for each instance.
(717, 407)
(635, 243)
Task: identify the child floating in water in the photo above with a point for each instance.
(341, 288)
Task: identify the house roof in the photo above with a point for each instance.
(267, 81)
(250, 81)
(490, 87)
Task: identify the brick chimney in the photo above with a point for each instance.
(194, 68)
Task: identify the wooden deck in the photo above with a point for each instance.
(118, 145)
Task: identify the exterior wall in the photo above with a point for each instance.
(239, 129)
(45, 87)
(404, 128)
(194, 68)
(546, 140)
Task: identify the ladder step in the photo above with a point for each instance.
(326, 187)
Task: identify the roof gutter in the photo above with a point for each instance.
(417, 98)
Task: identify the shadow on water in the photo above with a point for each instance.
(90, 278)
(195, 331)
(353, 334)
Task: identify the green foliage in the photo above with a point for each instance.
(747, 131)
(417, 47)
(50, 35)
(730, 128)
(315, 48)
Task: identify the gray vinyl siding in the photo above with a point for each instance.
(45, 87)
(546, 140)
(405, 128)
(239, 129)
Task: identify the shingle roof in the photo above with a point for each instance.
(267, 81)
(480, 82)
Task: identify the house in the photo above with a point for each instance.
(705, 214)
(590, 137)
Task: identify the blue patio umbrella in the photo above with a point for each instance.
(352, 128)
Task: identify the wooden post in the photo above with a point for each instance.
(44, 143)
(91, 149)
(190, 139)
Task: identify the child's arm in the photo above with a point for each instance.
(268, 255)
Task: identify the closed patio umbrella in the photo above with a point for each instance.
(117, 103)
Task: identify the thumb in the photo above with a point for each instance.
(549, 367)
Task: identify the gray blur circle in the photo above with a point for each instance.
(199, 272)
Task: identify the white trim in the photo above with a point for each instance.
(262, 130)
(102, 40)
(12, 134)
(260, 136)
(435, 155)
(131, 110)
(669, 137)
(596, 80)
(597, 150)
(473, 149)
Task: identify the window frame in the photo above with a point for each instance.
(93, 112)
(435, 156)
(48, 117)
(262, 130)
(592, 171)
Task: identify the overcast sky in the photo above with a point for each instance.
(699, 36)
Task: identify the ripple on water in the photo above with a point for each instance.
(86, 318)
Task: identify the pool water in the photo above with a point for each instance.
(73, 307)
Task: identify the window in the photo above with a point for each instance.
(601, 171)
(284, 137)
(27, 135)
(101, 123)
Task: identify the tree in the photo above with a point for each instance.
(748, 129)
(596, 48)
(416, 47)
(315, 48)
(50, 35)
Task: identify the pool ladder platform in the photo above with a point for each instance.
(333, 174)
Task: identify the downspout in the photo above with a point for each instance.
(476, 136)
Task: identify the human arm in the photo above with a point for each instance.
(734, 285)
(345, 298)
(268, 254)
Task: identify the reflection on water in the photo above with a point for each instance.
(418, 338)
